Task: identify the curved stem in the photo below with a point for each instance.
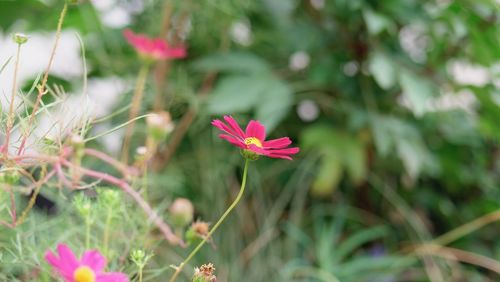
(219, 222)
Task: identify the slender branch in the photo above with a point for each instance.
(459, 255)
(41, 88)
(32, 200)
(10, 118)
(219, 222)
(123, 169)
(122, 184)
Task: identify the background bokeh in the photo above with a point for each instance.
(395, 105)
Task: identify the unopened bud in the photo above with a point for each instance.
(197, 231)
(159, 125)
(20, 38)
(204, 273)
(109, 197)
(83, 206)
(181, 212)
(140, 153)
(140, 257)
(9, 177)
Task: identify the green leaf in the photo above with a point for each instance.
(328, 177)
(270, 97)
(417, 90)
(376, 22)
(274, 103)
(383, 70)
(340, 152)
(236, 94)
(231, 62)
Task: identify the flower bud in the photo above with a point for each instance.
(109, 197)
(10, 177)
(197, 231)
(83, 206)
(204, 273)
(159, 125)
(20, 38)
(140, 257)
(181, 212)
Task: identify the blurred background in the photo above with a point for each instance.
(394, 104)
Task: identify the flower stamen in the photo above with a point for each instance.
(84, 274)
(254, 141)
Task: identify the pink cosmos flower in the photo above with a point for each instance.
(153, 48)
(253, 140)
(88, 269)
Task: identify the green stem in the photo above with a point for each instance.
(87, 234)
(134, 110)
(140, 274)
(219, 222)
(106, 232)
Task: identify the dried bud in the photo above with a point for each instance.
(198, 230)
(20, 38)
(204, 273)
(159, 125)
(181, 212)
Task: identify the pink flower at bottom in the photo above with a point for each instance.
(153, 48)
(88, 269)
(253, 139)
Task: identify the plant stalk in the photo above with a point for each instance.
(219, 222)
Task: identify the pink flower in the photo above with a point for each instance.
(88, 269)
(153, 48)
(252, 141)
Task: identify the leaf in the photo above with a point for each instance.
(376, 22)
(236, 94)
(231, 62)
(417, 90)
(358, 239)
(340, 152)
(383, 70)
(328, 177)
(274, 104)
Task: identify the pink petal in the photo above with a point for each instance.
(281, 153)
(277, 143)
(232, 140)
(234, 125)
(256, 129)
(112, 277)
(65, 264)
(279, 156)
(67, 257)
(94, 260)
(286, 151)
(222, 126)
(178, 52)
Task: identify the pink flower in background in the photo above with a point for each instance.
(253, 139)
(154, 48)
(88, 269)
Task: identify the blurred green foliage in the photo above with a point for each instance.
(385, 164)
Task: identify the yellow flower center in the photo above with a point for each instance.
(84, 274)
(254, 141)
